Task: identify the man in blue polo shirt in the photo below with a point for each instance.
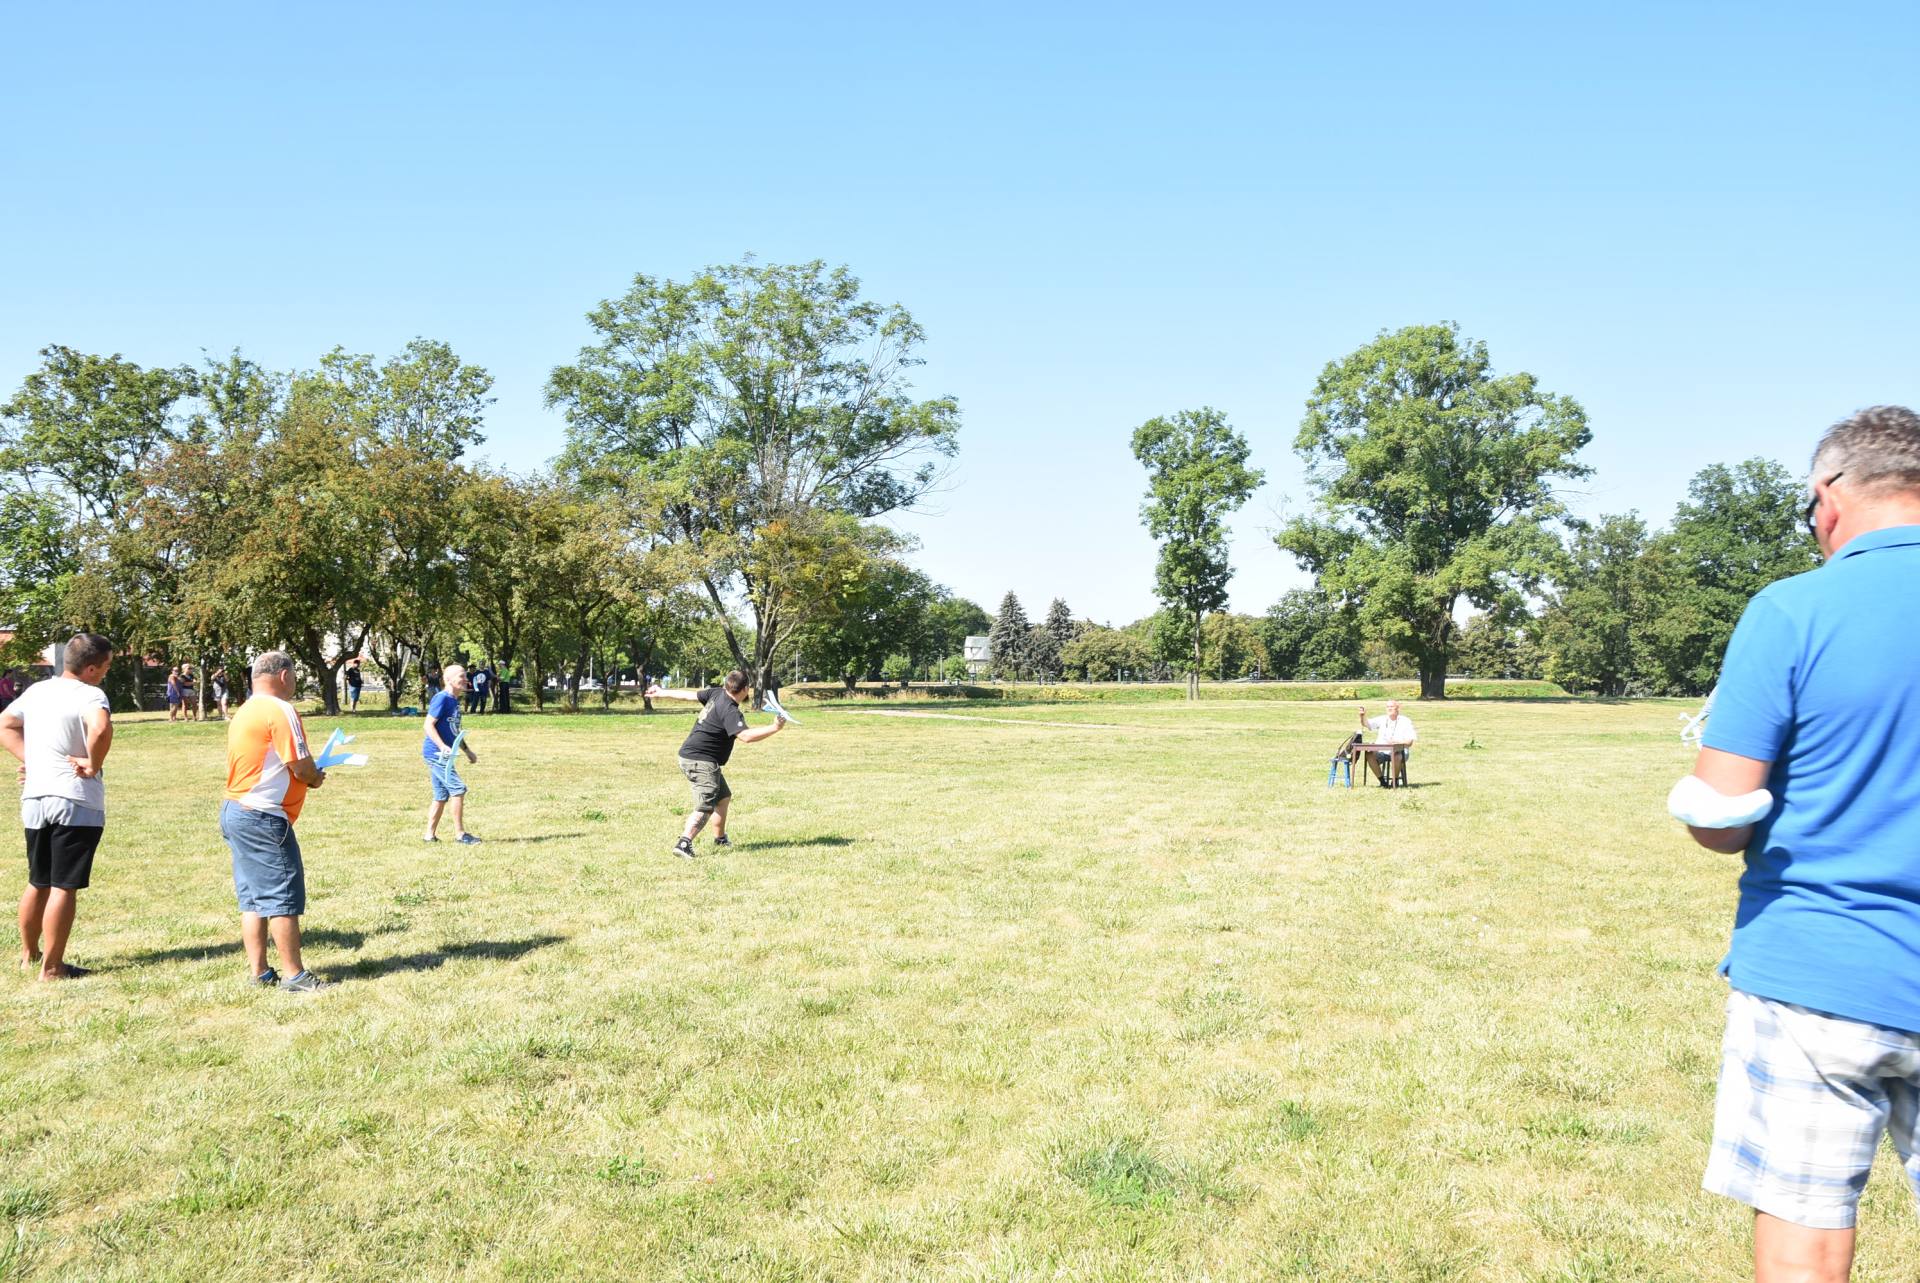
(1819, 704)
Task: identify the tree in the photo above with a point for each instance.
(419, 413)
(1196, 474)
(1232, 647)
(883, 613)
(494, 543)
(1432, 480)
(1042, 653)
(1060, 625)
(762, 401)
(1594, 626)
(1103, 655)
(1738, 531)
(75, 441)
(305, 569)
(197, 503)
(1493, 647)
(1311, 635)
(1007, 639)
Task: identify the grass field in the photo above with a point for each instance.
(1119, 991)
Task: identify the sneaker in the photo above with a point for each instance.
(723, 840)
(467, 839)
(684, 848)
(430, 838)
(305, 982)
(266, 979)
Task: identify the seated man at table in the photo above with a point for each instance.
(1391, 729)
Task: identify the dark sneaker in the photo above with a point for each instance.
(467, 839)
(723, 840)
(684, 849)
(266, 979)
(305, 982)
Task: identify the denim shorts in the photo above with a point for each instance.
(1804, 1099)
(445, 776)
(268, 877)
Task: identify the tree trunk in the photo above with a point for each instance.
(1433, 664)
(313, 655)
(642, 661)
(1193, 677)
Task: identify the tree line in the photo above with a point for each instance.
(733, 443)
(1438, 541)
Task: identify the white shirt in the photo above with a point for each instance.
(54, 714)
(1391, 730)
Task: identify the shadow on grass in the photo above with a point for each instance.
(538, 837)
(323, 937)
(776, 844)
(431, 959)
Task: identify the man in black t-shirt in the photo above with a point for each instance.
(709, 744)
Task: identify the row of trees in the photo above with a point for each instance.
(1433, 502)
(1621, 609)
(730, 442)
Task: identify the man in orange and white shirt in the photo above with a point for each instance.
(269, 770)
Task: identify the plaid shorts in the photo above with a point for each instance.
(1802, 1102)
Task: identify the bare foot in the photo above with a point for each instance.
(67, 972)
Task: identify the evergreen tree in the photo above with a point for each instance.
(1043, 653)
(1059, 625)
(1008, 637)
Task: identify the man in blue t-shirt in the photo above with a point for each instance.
(442, 737)
(1819, 705)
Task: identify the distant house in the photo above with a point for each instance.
(48, 658)
(978, 652)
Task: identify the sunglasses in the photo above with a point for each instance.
(1813, 504)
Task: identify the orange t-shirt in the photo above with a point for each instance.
(263, 737)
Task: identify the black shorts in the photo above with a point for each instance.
(61, 855)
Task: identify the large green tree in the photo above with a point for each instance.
(1594, 628)
(1433, 479)
(1738, 530)
(1007, 639)
(760, 401)
(1311, 635)
(882, 613)
(1197, 473)
(76, 441)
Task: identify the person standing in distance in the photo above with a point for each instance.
(708, 746)
(61, 731)
(1819, 704)
(442, 730)
(269, 770)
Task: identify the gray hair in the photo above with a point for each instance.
(1878, 449)
(274, 661)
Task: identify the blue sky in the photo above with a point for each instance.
(1698, 219)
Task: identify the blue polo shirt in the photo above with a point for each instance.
(1822, 679)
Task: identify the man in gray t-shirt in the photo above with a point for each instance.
(60, 730)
